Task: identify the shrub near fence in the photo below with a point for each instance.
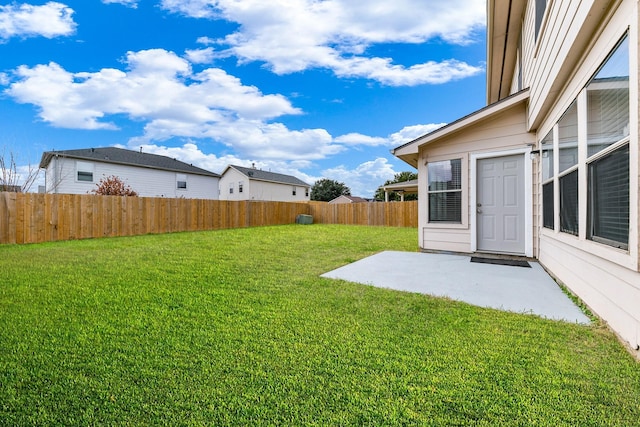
(34, 218)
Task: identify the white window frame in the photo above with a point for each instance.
(180, 177)
(460, 190)
(85, 168)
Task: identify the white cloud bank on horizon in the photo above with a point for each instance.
(49, 20)
(336, 34)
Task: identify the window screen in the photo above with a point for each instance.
(608, 214)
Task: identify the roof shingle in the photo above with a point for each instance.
(127, 157)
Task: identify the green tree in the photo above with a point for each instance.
(399, 177)
(327, 189)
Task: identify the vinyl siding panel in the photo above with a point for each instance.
(611, 291)
(553, 62)
(61, 178)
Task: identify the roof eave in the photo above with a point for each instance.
(504, 25)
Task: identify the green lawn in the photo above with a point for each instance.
(235, 327)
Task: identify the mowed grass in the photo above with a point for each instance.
(236, 327)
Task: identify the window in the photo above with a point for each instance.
(231, 188)
(293, 191)
(608, 101)
(84, 171)
(608, 205)
(306, 192)
(605, 115)
(608, 165)
(445, 191)
(546, 163)
(568, 169)
(541, 6)
(181, 181)
(568, 138)
(240, 186)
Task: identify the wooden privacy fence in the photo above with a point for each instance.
(34, 218)
(392, 214)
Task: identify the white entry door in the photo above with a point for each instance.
(500, 210)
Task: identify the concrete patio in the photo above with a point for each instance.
(510, 288)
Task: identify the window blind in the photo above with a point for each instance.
(608, 214)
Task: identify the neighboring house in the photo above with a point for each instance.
(241, 183)
(149, 175)
(549, 169)
(347, 199)
(404, 187)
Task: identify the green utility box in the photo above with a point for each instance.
(304, 219)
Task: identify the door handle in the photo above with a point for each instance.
(478, 210)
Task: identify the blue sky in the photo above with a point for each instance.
(312, 88)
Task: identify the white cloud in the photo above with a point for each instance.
(365, 179)
(200, 56)
(50, 20)
(161, 89)
(359, 139)
(205, 40)
(129, 3)
(336, 34)
(409, 133)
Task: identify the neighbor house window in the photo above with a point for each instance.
(84, 171)
(240, 186)
(445, 191)
(293, 191)
(181, 181)
(231, 188)
(306, 192)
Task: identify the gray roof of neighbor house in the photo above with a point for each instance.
(261, 175)
(121, 156)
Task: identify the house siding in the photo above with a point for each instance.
(552, 60)
(504, 132)
(607, 279)
(254, 189)
(233, 178)
(61, 178)
(610, 290)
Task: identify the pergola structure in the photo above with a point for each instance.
(406, 187)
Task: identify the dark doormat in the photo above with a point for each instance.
(511, 262)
